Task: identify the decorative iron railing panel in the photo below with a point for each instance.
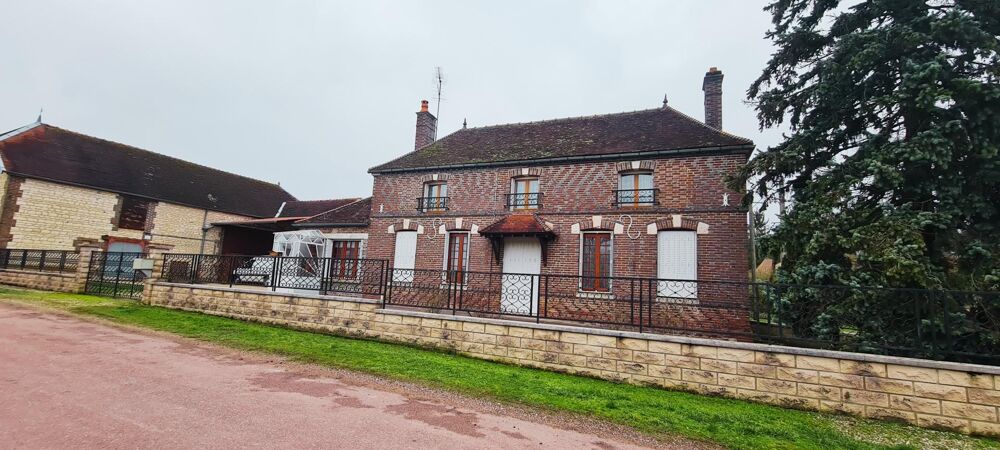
(636, 197)
(40, 260)
(524, 200)
(431, 204)
(345, 276)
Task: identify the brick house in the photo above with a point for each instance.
(596, 199)
(60, 188)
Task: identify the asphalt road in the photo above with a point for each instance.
(71, 383)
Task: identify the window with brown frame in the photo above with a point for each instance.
(595, 262)
(524, 193)
(345, 259)
(458, 257)
(133, 214)
(635, 189)
(435, 197)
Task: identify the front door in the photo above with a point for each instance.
(522, 262)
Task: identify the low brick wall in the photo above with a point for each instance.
(46, 281)
(954, 396)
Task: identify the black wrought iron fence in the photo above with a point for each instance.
(951, 325)
(40, 260)
(947, 325)
(346, 276)
(113, 274)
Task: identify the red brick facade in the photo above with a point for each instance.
(692, 187)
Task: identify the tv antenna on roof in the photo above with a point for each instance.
(439, 79)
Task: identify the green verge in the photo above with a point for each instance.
(731, 423)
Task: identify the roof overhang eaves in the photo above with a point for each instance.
(727, 149)
(332, 225)
(70, 183)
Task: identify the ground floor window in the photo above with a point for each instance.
(345, 256)
(404, 256)
(677, 264)
(457, 257)
(595, 262)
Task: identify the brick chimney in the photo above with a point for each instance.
(712, 86)
(427, 126)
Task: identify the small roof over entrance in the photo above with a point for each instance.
(518, 225)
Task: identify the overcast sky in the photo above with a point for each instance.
(312, 94)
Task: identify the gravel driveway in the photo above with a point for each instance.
(69, 382)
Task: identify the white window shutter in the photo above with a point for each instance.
(405, 256)
(677, 261)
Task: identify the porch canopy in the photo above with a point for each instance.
(518, 225)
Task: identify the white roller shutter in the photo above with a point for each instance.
(405, 257)
(676, 261)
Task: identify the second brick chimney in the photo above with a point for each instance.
(712, 86)
(427, 126)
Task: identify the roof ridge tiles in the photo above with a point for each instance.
(558, 119)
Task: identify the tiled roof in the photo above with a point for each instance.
(517, 224)
(46, 152)
(650, 130)
(309, 208)
(352, 214)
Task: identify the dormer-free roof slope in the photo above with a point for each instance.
(308, 208)
(651, 130)
(356, 213)
(50, 153)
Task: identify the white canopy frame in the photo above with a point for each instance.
(309, 246)
(300, 243)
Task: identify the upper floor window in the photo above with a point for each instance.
(133, 214)
(435, 197)
(635, 189)
(524, 193)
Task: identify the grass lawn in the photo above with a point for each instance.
(731, 423)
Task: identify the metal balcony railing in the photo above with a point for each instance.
(636, 197)
(524, 200)
(431, 204)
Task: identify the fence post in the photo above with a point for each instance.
(158, 253)
(451, 292)
(84, 252)
(391, 274)
(275, 271)
(781, 321)
(41, 261)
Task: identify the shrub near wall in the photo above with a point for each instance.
(954, 396)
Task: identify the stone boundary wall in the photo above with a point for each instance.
(935, 394)
(46, 281)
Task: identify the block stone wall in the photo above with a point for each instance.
(953, 396)
(46, 281)
(51, 216)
